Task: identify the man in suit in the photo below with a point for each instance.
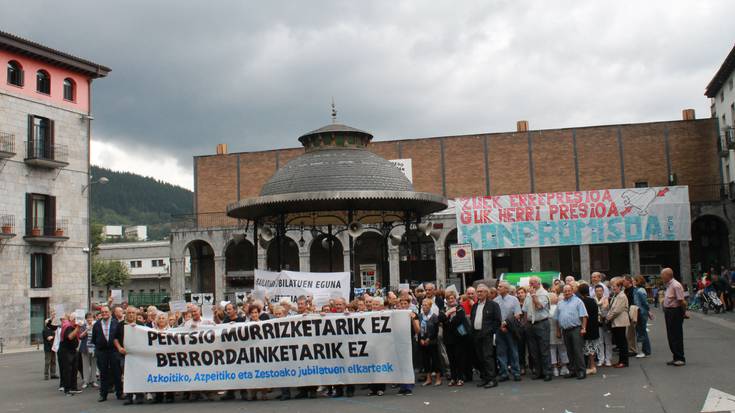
(435, 299)
(108, 364)
(485, 319)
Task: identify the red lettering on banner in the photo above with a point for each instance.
(600, 209)
(606, 196)
(613, 212)
(466, 203)
(563, 211)
(594, 196)
(465, 217)
(538, 213)
(553, 210)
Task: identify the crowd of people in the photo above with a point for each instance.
(487, 335)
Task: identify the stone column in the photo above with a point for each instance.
(536, 259)
(346, 259)
(487, 264)
(195, 276)
(394, 266)
(441, 266)
(685, 265)
(634, 255)
(584, 262)
(178, 278)
(304, 261)
(219, 278)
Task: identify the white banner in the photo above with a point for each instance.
(574, 218)
(291, 284)
(295, 351)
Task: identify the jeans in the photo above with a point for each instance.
(507, 354)
(89, 367)
(642, 334)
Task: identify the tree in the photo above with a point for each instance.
(111, 274)
(97, 237)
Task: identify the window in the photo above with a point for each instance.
(641, 184)
(15, 73)
(40, 271)
(722, 96)
(100, 294)
(40, 214)
(136, 264)
(40, 138)
(43, 82)
(69, 89)
(157, 263)
(730, 83)
(39, 313)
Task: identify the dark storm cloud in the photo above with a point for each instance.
(189, 75)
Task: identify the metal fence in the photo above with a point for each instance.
(206, 220)
(39, 227)
(146, 299)
(38, 149)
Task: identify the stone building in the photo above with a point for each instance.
(45, 128)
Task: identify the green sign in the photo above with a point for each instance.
(521, 278)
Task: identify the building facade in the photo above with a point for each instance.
(148, 264)
(721, 91)
(682, 152)
(45, 128)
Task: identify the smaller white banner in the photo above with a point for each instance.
(322, 286)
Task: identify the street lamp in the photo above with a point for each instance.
(102, 181)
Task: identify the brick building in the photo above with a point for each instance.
(45, 128)
(683, 152)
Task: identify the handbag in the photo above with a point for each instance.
(633, 313)
(462, 331)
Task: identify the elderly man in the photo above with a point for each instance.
(469, 299)
(485, 319)
(536, 309)
(510, 312)
(675, 306)
(431, 295)
(108, 363)
(595, 280)
(569, 279)
(571, 317)
(131, 316)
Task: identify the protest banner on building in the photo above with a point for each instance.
(286, 352)
(575, 217)
(291, 284)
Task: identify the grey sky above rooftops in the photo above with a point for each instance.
(257, 75)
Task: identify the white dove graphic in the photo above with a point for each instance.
(639, 199)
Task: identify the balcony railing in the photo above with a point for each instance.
(7, 145)
(45, 232)
(7, 226)
(146, 299)
(206, 220)
(46, 155)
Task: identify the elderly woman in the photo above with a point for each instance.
(161, 323)
(456, 336)
(604, 345)
(557, 349)
(428, 334)
(592, 336)
(619, 320)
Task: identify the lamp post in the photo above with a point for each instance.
(102, 181)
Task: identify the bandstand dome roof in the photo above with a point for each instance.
(337, 173)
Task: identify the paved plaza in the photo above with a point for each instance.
(647, 386)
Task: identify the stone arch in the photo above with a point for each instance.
(202, 266)
(287, 258)
(325, 259)
(710, 244)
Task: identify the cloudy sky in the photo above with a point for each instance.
(256, 75)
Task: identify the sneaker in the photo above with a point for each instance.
(95, 385)
(564, 371)
(402, 392)
(679, 363)
(75, 391)
(380, 392)
(84, 386)
(61, 388)
(599, 364)
(556, 371)
(608, 363)
(640, 355)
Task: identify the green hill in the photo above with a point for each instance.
(130, 199)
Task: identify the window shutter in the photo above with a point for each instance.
(31, 137)
(33, 270)
(21, 76)
(50, 141)
(47, 270)
(50, 214)
(29, 213)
